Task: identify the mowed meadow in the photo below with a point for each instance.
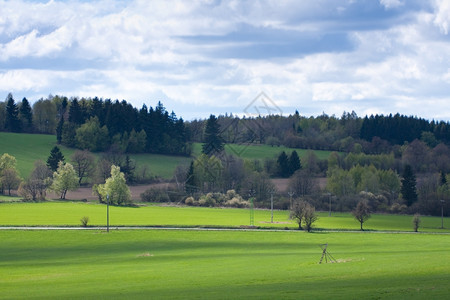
(186, 264)
(68, 213)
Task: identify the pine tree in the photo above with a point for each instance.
(283, 164)
(190, 184)
(443, 178)
(25, 115)
(12, 115)
(55, 157)
(213, 142)
(294, 163)
(408, 188)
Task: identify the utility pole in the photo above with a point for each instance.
(329, 197)
(290, 193)
(107, 213)
(271, 206)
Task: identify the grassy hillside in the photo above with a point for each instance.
(260, 151)
(184, 264)
(27, 148)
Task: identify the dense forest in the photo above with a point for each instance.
(97, 125)
(397, 163)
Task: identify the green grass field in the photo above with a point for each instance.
(70, 213)
(260, 151)
(177, 264)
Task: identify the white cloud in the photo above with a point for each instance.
(169, 50)
(442, 16)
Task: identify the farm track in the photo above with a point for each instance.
(114, 228)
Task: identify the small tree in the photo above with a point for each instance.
(115, 188)
(416, 222)
(361, 212)
(303, 212)
(10, 179)
(34, 188)
(84, 164)
(297, 212)
(309, 216)
(55, 157)
(64, 179)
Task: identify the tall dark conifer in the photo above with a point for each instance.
(408, 188)
(294, 163)
(55, 157)
(213, 142)
(12, 115)
(26, 116)
(283, 165)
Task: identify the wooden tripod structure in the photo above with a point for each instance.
(325, 254)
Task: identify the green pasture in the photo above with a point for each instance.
(185, 264)
(70, 213)
(27, 148)
(260, 151)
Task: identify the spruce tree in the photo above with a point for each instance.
(408, 188)
(213, 142)
(190, 186)
(294, 163)
(283, 165)
(55, 157)
(26, 116)
(12, 123)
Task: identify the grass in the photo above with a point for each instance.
(69, 214)
(260, 151)
(173, 264)
(27, 148)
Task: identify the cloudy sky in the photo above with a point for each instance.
(205, 56)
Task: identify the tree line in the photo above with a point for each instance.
(98, 125)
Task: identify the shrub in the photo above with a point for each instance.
(155, 195)
(189, 201)
(84, 221)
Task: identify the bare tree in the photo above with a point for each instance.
(362, 212)
(34, 188)
(416, 222)
(303, 212)
(302, 183)
(297, 212)
(84, 164)
(309, 216)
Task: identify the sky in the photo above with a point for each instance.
(204, 57)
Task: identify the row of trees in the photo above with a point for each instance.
(374, 134)
(97, 124)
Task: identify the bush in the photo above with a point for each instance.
(155, 195)
(84, 221)
(189, 201)
(237, 202)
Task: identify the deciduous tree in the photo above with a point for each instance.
(362, 212)
(84, 164)
(64, 179)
